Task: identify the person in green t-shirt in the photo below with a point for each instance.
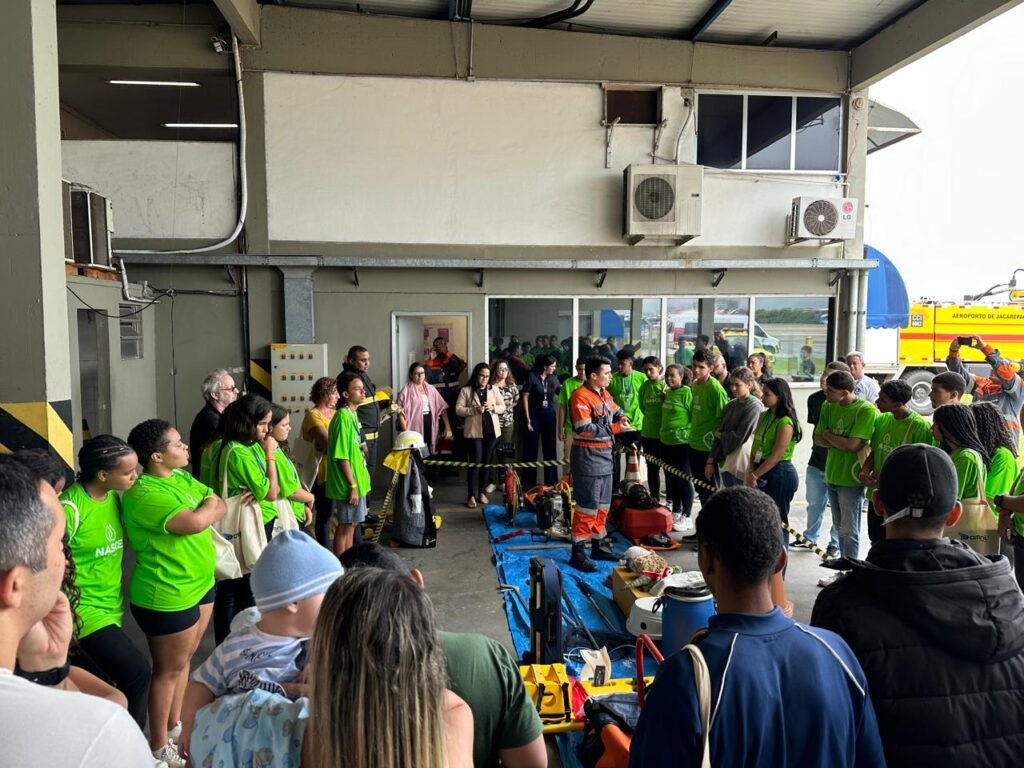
(844, 427)
(956, 432)
(771, 453)
(245, 462)
(1001, 445)
(290, 485)
(167, 516)
(709, 400)
(652, 393)
(95, 536)
(563, 426)
(625, 388)
(506, 726)
(674, 434)
(896, 425)
(348, 481)
(1010, 509)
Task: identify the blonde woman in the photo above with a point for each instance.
(373, 620)
(315, 424)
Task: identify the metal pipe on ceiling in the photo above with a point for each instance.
(571, 12)
(717, 9)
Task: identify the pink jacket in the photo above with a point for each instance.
(411, 403)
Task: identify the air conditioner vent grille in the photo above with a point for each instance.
(821, 217)
(654, 198)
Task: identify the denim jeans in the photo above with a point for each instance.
(846, 503)
(817, 499)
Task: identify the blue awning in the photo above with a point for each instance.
(612, 325)
(888, 304)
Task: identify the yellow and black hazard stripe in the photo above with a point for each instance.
(259, 379)
(513, 465)
(42, 425)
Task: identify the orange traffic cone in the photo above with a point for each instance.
(779, 595)
(633, 465)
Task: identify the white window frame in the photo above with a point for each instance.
(792, 133)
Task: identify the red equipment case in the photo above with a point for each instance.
(637, 523)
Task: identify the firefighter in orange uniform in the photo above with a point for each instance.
(596, 419)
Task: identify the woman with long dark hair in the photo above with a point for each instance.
(95, 539)
(739, 417)
(540, 393)
(245, 461)
(956, 431)
(479, 405)
(289, 484)
(423, 408)
(775, 437)
(674, 433)
(1001, 445)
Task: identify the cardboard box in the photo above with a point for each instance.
(624, 595)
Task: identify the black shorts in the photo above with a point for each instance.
(156, 623)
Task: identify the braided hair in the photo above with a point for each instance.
(957, 421)
(992, 428)
(100, 454)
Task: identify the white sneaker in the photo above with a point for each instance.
(159, 763)
(824, 581)
(681, 523)
(175, 733)
(169, 755)
(489, 488)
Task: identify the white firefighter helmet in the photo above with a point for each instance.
(409, 440)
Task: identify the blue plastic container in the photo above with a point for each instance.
(685, 611)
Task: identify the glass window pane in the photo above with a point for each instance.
(818, 128)
(719, 130)
(524, 329)
(718, 324)
(607, 326)
(792, 333)
(681, 329)
(769, 128)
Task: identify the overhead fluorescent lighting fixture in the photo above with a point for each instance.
(169, 83)
(200, 125)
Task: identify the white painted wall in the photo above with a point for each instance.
(160, 189)
(403, 160)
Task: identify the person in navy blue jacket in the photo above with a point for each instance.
(782, 693)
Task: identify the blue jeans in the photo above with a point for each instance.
(817, 499)
(845, 503)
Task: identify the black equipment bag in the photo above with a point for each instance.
(545, 612)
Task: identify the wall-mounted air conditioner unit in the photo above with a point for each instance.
(662, 203)
(822, 218)
(88, 224)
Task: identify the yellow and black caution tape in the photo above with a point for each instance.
(480, 465)
(385, 508)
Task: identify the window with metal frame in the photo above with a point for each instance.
(765, 132)
(131, 332)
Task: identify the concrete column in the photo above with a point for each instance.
(855, 165)
(35, 389)
(298, 305)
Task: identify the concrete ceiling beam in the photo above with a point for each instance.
(917, 33)
(244, 18)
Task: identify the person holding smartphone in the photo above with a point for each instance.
(479, 405)
(1004, 387)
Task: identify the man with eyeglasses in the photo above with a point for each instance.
(219, 391)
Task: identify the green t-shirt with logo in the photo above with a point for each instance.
(890, 433)
(652, 393)
(172, 571)
(288, 483)
(969, 467)
(766, 433)
(854, 420)
(96, 539)
(709, 400)
(344, 441)
(208, 465)
(676, 415)
(625, 390)
(1002, 472)
(564, 393)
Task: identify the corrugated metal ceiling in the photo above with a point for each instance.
(799, 23)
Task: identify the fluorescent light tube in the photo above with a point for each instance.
(200, 125)
(172, 83)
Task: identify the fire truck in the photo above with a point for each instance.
(918, 351)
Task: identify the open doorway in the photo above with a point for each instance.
(93, 369)
(413, 334)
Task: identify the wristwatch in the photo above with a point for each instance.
(48, 677)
